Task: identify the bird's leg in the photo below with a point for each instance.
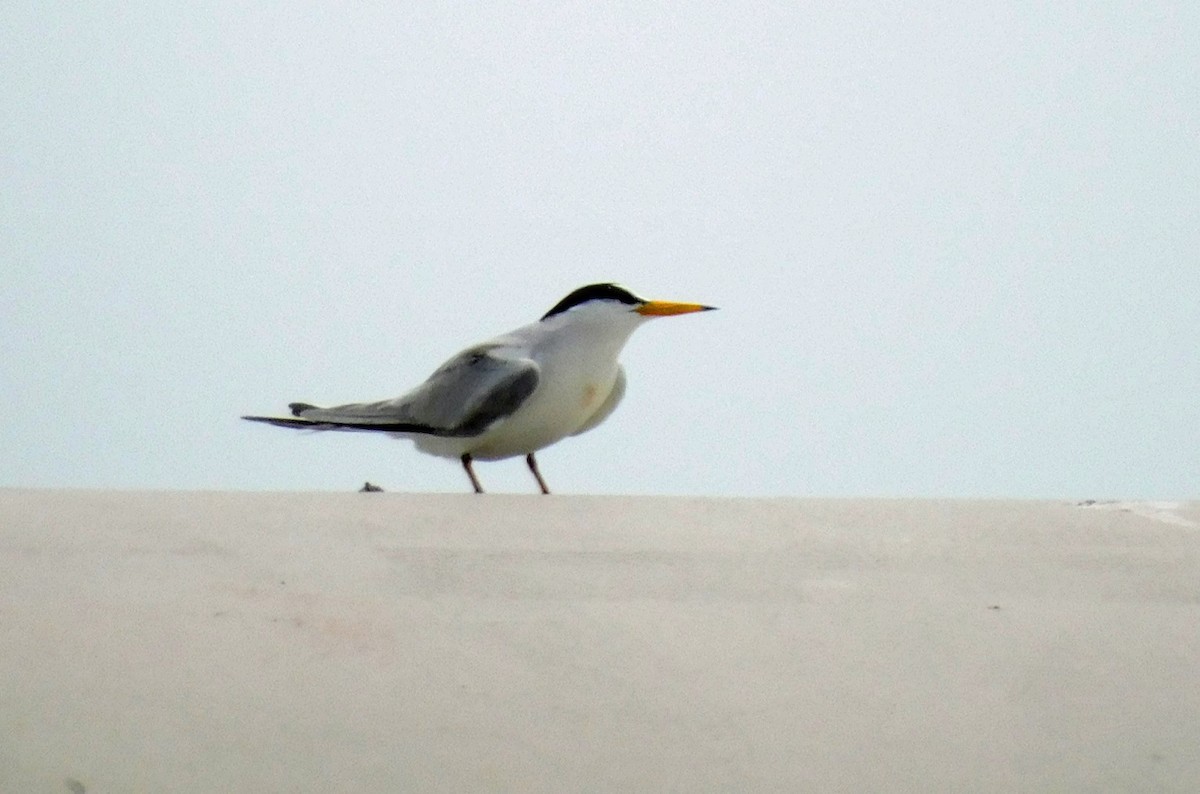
(466, 462)
(533, 467)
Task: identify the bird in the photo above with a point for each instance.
(515, 394)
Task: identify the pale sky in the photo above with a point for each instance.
(955, 245)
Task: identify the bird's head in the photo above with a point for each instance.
(614, 301)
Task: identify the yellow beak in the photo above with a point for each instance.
(668, 308)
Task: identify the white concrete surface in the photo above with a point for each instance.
(236, 642)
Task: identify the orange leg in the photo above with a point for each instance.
(466, 462)
(533, 467)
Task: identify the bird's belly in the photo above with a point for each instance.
(550, 415)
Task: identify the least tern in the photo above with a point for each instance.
(516, 394)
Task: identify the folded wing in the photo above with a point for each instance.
(464, 397)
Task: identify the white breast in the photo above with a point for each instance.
(576, 354)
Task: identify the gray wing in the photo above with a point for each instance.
(608, 406)
(463, 397)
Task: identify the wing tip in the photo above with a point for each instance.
(299, 408)
(279, 421)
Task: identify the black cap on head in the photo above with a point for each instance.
(594, 292)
